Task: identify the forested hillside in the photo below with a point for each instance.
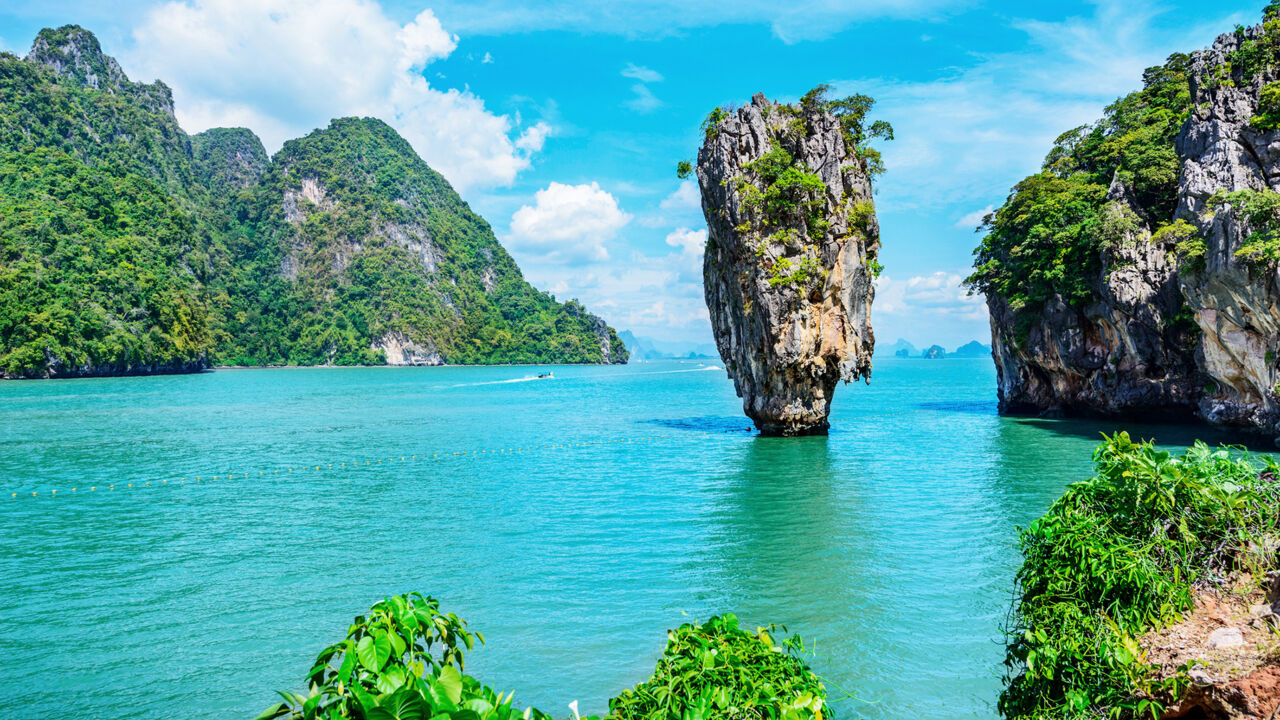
(128, 246)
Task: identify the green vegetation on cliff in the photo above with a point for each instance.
(1117, 556)
(373, 241)
(91, 271)
(134, 247)
(406, 660)
(1048, 237)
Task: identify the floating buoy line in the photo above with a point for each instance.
(371, 462)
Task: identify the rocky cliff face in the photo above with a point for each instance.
(1121, 354)
(1235, 302)
(1178, 322)
(788, 269)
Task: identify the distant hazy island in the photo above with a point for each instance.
(131, 247)
(904, 349)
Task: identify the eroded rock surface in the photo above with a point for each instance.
(788, 269)
(1235, 305)
(1166, 336)
(1123, 354)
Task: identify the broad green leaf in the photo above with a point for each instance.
(368, 654)
(450, 682)
(274, 711)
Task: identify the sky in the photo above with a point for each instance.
(561, 122)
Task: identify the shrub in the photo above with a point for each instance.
(788, 188)
(1261, 210)
(405, 661)
(718, 670)
(711, 125)
(852, 112)
(1187, 244)
(1115, 557)
(1268, 117)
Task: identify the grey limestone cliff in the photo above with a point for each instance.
(1120, 354)
(788, 269)
(1235, 302)
(1179, 324)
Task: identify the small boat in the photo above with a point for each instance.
(544, 376)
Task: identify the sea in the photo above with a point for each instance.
(184, 546)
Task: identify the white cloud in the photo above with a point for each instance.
(972, 220)
(534, 137)
(643, 100)
(938, 293)
(685, 198)
(284, 67)
(488, 59)
(568, 223)
(641, 73)
(656, 292)
(690, 242)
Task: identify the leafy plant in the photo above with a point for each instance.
(684, 169)
(403, 661)
(1115, 557)
(711, 124)
(1268, 117)
(719, 670)
(1261, 210)
(1187, 243)
(789, 189)
(852, 113)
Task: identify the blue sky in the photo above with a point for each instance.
(561, 122)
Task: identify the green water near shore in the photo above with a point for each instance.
(889, 544)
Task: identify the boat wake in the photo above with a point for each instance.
(502, 382)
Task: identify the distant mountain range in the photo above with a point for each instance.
(904, 349)
(643, 348)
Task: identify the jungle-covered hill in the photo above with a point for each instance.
(128, 246)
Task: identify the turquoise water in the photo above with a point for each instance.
(888, 544)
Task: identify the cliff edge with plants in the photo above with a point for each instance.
(1150, 591)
